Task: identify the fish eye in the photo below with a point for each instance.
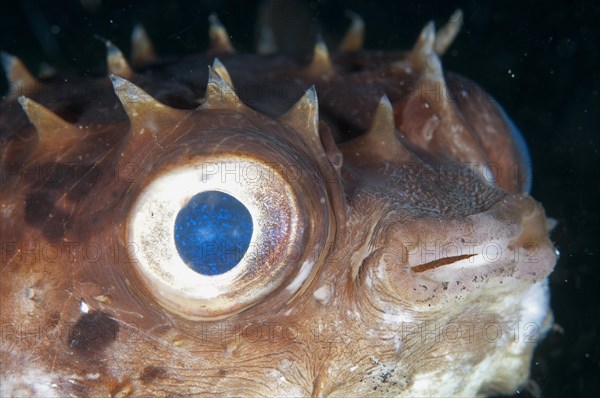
(212, 232)
(216, 235)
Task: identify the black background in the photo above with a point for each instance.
(539, 59)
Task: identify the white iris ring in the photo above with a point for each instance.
(274, 212)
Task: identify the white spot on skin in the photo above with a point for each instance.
(288, 311)
(381, 274)
(34, 382)
(285, 365)
(434, 384)
(430, 126)
(150, 123)
(397, 319)
(7, 210)
(350, 314)
(397, 343)
(487, 174)
(323, 294)
(369, 281)
(307, 266)
(84, 308)
(102, 298)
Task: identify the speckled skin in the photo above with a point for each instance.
(416, 275)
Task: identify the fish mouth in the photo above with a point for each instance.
(507, 242)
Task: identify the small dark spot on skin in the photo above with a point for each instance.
(151, 373)
(54, 176)
(71, 112)
(53, 320)
(40, 212)
(93, 332)
(445, 285)
(222, 373)
(37, 208)
(55, 229)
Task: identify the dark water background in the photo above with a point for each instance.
(541, 60)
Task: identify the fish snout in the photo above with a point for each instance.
(505, 245)
(502, 250)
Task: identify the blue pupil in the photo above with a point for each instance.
(213, 232)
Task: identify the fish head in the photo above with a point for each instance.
(154, 250)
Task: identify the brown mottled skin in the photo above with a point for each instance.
(355, 325)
